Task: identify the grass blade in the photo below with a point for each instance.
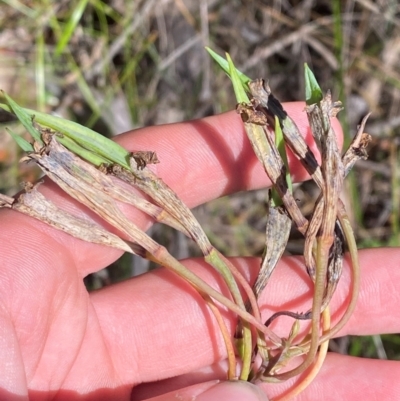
(313, 91)
(85, 137)
(70, 27)
(225, 66)
(280, 144)
(238, 85)
(40, 71)
(24, 117)
(21, 142)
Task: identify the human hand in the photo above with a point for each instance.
(59, 342)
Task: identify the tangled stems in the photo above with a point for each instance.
(355, 283)
(304, 383)
(355, 268)
(319, 288)
(327, 333)
(216, 260)
(153, 186)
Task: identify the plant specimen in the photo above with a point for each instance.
(91, 169)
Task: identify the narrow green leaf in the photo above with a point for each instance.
(85, 137)
(40, 71)
(240, 93)
(313, 91)
(21, 142)
(280, 144)
(225, 66)
(276, 201)
(24, 118)
(82, 152)
(70, 27)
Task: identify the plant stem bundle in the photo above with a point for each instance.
(91, 170)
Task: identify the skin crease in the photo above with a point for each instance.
(57, 342)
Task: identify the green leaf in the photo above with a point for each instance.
(240, 93)
(70, 27)
(225, 66)
(280, 144)
(40, 73)
(24, 118)
(21, 142)
(82, 152)
(313, 91)
(87, 138)
(83, 136)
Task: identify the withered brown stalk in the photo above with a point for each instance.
(277, 235)
(324, 240)
(153, 186)
(333, 173)
(97, 190)
(34, 204)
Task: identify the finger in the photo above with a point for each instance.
(204, 159)
(376, 310)
(173, 330)
(209, 375)
(341, 377)
(348, 378)
(200, 160)
(211, 391)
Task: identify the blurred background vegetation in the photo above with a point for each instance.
(116, 65)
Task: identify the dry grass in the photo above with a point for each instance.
(143, 58)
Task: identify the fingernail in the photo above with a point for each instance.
(233, 391)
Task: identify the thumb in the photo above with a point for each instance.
(233, 391)
(216, 391)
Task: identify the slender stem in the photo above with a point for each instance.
(243, 282)
(153, 186)
(326, 321)
(226, 336)
(247, 344)
(214, 259)
(355, 267)
(322, 257)
(174, 265)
